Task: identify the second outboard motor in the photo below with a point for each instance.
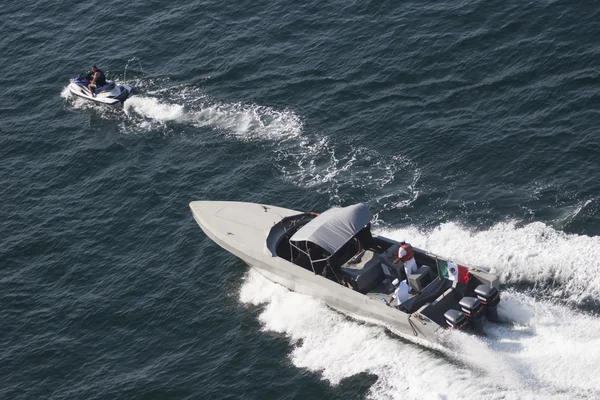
(473, 310)
(456, 320)
(490, 298)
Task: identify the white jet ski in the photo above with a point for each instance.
(110, 94)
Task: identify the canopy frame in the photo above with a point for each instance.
(330, 231)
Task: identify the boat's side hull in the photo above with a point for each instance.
(349, 301)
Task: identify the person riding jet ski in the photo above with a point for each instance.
(97, 80)
(94, 87)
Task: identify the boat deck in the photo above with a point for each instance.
(372, 273)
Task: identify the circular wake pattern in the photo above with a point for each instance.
(347, 172)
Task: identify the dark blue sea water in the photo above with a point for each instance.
(469, 128)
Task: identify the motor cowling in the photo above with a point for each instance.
(473, 310)
(456, 320)
(490, 298)
(471, 307)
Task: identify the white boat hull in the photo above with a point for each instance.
(242, 228)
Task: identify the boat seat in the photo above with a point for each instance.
(420, 279)
(107, 86)
(365, 274)
(429, 294)
(388, 277)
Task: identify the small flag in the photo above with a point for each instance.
(452, 271)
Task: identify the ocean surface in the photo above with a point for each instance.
(469, 128)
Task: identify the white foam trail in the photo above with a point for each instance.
(306, 161)
(249, 122)
(244, 121)
(154, 109)
(317, 164)
(535, 360)
(534, 252)
(551, 344)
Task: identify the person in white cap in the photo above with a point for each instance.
(400, 293)
(406, 254)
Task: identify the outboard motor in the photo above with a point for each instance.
(490, 298)
(456, 320)
(473, 310)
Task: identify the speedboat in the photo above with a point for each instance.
(334, 256)
(110, 94)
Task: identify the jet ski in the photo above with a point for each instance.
(110, 94)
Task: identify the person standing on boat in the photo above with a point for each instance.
(400, 293)
(406, 255)
(98, 80)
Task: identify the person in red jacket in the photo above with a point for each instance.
(406, 255)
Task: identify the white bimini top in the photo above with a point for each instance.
(335, 227)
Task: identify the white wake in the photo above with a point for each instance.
(304, 159)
